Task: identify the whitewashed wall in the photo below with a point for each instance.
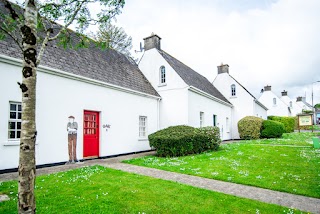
(57, 98)
(295, 109)
(199, 103)
(243, 103)
(174, 93)
(280, 109)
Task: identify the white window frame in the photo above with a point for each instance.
(18, 113)
(143, 127)
(233, 90)
(162, 76)
(201, 119)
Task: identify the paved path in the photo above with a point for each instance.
(307, 204)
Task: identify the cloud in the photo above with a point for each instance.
(274, 42)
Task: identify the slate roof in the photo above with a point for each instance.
(191, 77)
(108, 66)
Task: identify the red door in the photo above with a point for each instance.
(90, 134)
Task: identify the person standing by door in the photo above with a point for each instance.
(72, 128)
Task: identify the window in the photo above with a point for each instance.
(201, 119)
(142, 127)
(14, 125)
(214, 120)
(290, 104)
(274, 101)
(233, 90)
(162, 75)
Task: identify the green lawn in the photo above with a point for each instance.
(296, 138)
(289, 164)
(101, 190)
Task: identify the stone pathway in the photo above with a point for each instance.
(303, 203)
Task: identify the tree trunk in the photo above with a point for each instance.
(27, 165)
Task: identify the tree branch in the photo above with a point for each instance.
(69, 23)
(14, 38)
(43, 45)
(13, 13)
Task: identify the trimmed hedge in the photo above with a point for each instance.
(183, 140)
(288, 122)
(250, 127)
(272, 129)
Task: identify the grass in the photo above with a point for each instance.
(289, 164)
(295, 138)
(101, 190)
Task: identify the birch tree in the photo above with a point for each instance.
(115, 38)
(32, 25)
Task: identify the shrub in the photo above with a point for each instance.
(272, 129)
(288, 122)
(184, 140)
(213, 137)
(249, 127)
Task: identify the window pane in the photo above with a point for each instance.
(18, 125)
(13, 115)
(12, 107)
(18, 134)
(11, 134)
(12, 125)
(19, 115)
(19, 108)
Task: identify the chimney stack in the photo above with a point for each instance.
(152, 41)
(267, 88)
(223, 68)
(284, 93)
(299, 99)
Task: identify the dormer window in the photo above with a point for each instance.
(162, 75)
(233, 90)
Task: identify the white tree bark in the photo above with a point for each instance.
(27, 165)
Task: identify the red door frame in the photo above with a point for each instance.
(91, 134)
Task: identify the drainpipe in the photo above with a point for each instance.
(232, 122)
(158, 114)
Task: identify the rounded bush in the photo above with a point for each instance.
(184, 140)
(288, 122)
(249, 127)
(272, 129)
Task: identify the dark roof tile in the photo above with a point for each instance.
(108, 66)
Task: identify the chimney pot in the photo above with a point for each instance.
(299, 99)
(267, 88)
(284, 93)
(223, 68)
(152, 41)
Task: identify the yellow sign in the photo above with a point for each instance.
(305, 120)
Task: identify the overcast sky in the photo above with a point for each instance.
(274, 42)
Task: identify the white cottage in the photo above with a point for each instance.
(244, 103)
(292, 104)
(302, 103)
(276, 106)
(113, 103)
(187, 97)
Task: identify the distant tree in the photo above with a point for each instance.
(32, 28)
(317, 106)
(115, 38)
